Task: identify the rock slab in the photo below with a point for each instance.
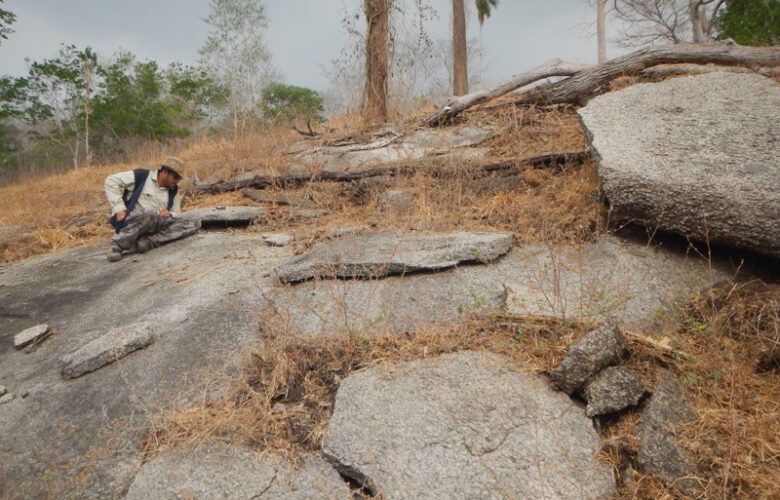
(659, 453)
(587, 356)
(463, 426)
(112, 346)
(277, 239)
(615, 388)
(5, 398)
(30, 335)
(226, 215)
(694, 155)
(216, 470)
(382, 254)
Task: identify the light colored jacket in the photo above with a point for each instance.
(152, 197)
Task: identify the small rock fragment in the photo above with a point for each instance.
(612, 390)
(3, 390)
(277, 239)
(659, 453)
(587, 356)
(110, 347)
(6, 398)
(30, 335)
(395, 200)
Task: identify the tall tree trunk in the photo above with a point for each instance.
(696, 16)
(601, 29)
(87, 89)
(460, 75)
(375, 91)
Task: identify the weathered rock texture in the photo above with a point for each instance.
(463, 426)
(30, 335)
(277, 239)
(215, 470)
(187, 291)
(391, 148)
(226, 216)
(391, 305)
(397, 201)
(111, 347)
(659, 453)
(613, 389)
(590, 353)
(695, 155)
(382, 254)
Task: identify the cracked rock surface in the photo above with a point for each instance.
(216, 470)
(463, 426)
(226, 215)
(659, 453)
(111, 347)
(590, 353)
(613, 389)
(381, 254)
(694, 155)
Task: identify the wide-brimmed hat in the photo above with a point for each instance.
(175, 165)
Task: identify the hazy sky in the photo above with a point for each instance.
(303, 35)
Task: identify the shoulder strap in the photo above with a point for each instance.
(171, 196)
(141, 174)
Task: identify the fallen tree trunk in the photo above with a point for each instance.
(583, 84)
(555, 67)
(263, 182)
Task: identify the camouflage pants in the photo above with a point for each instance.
(158, 230)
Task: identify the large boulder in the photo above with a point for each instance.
(200, 294)
(696, 156)
(463, 425)
(215, 470)
(382, 254)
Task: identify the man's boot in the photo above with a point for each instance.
(114, 253)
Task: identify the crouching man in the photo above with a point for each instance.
(145, 209)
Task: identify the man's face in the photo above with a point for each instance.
(168, 179)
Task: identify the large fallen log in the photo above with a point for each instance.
(263, 181)
(583, 84)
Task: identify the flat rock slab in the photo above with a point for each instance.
(587, 356)
(629, 281)
(463, 426)
(387, 306)
(694, 155)
(226, 215)
(612, 390)
(216, 470)
(188, 291)
(659, 453)
(111, 347)
(30, 335)
(382, 254)
(277, 239)
(389, 149)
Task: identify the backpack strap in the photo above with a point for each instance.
(140, 176)
(171, 195)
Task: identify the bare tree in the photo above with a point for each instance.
(662, 21)
(601, 29)
(374, 99)
(460, 76)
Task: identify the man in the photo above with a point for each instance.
(146, 215)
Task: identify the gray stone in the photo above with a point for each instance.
(3, 390)
(226, 215)
(215, 470)
(277, 239)
(395, 201)
(386, 306)
(5, 398)
(184, 291)
(111, 347)
(381, 254)
(614, 389)
(463, 425)
(30, 335)
(587, 356)
(629, 282)
(388, 149)
(659, 453)
(694, 155)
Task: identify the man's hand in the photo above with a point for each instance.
(165, 213)
(120, 216)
